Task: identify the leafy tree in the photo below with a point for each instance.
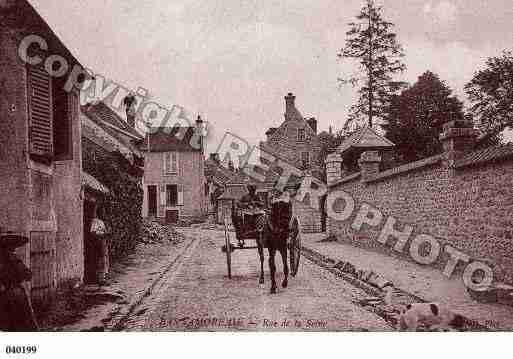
(415, 117)
(371, 41)
(491, 94)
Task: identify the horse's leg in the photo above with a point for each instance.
(272, 267)
(260, 245)
(283, 252)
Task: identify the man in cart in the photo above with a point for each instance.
(248, 208)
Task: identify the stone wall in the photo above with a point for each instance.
(69, 208)
(309, 217)
(37, 199)
(469, 207)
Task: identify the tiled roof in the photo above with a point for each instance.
(489, 154)
(90, 111)
(90, 182)
(105, 113)
(164, 139)
(217, 173)
(270, 131)
(234, 191)
(295, 115)
(365, 138)
(22, 17)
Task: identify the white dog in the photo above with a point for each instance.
(432, 316)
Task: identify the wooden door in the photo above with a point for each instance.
(152, 201)
(43, 267)
(171, 216)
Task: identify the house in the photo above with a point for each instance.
(40, 152)
(217, 176)
(174, 183)
(112, 178)
(296, 139)
(297, 143)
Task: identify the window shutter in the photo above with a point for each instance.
(180, 195)
(163, 195)
(175, 162)
(164, 159)
(64, 106)
(40, 112)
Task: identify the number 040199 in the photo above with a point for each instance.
(20, 349)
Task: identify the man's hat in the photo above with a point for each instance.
(12, 241)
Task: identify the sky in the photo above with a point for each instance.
(233, 61)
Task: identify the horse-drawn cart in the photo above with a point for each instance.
(252, 225)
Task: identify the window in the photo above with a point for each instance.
(51, 111)
(40, 113)
(63, 116)
(171, 195)
(305, 159)
(171, 162)
(301, 134)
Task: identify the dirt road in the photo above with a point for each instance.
(196, 295)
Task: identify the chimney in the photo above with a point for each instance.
(458, 138)
(313, 124)
(215, 157)
(200, 132)
(270, 132)
(199, 122)
(129, 103)
(289, 105)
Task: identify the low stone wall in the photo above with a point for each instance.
(468, 207)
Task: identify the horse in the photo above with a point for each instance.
(273, 235)
(271, 230)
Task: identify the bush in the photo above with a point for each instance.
(123, 205)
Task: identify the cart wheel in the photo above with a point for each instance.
(228, 247)
(295, 245)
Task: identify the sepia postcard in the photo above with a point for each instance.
(255, 166)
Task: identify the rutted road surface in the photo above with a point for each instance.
(196, 295)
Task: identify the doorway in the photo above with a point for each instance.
(90, 254)
(324, 214)
(171, 216)
(152, 201)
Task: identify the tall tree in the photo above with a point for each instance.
(415, 117)
(372, 43)
(491, 94)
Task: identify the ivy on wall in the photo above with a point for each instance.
(122, 206)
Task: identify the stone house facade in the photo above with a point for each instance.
(296, 139)
(463, 198)
(297, 143)
(40, 155)
(174, 181)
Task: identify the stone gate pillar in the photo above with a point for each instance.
(333, 168)
(369, 163)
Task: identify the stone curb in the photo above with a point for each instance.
(329, 264)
